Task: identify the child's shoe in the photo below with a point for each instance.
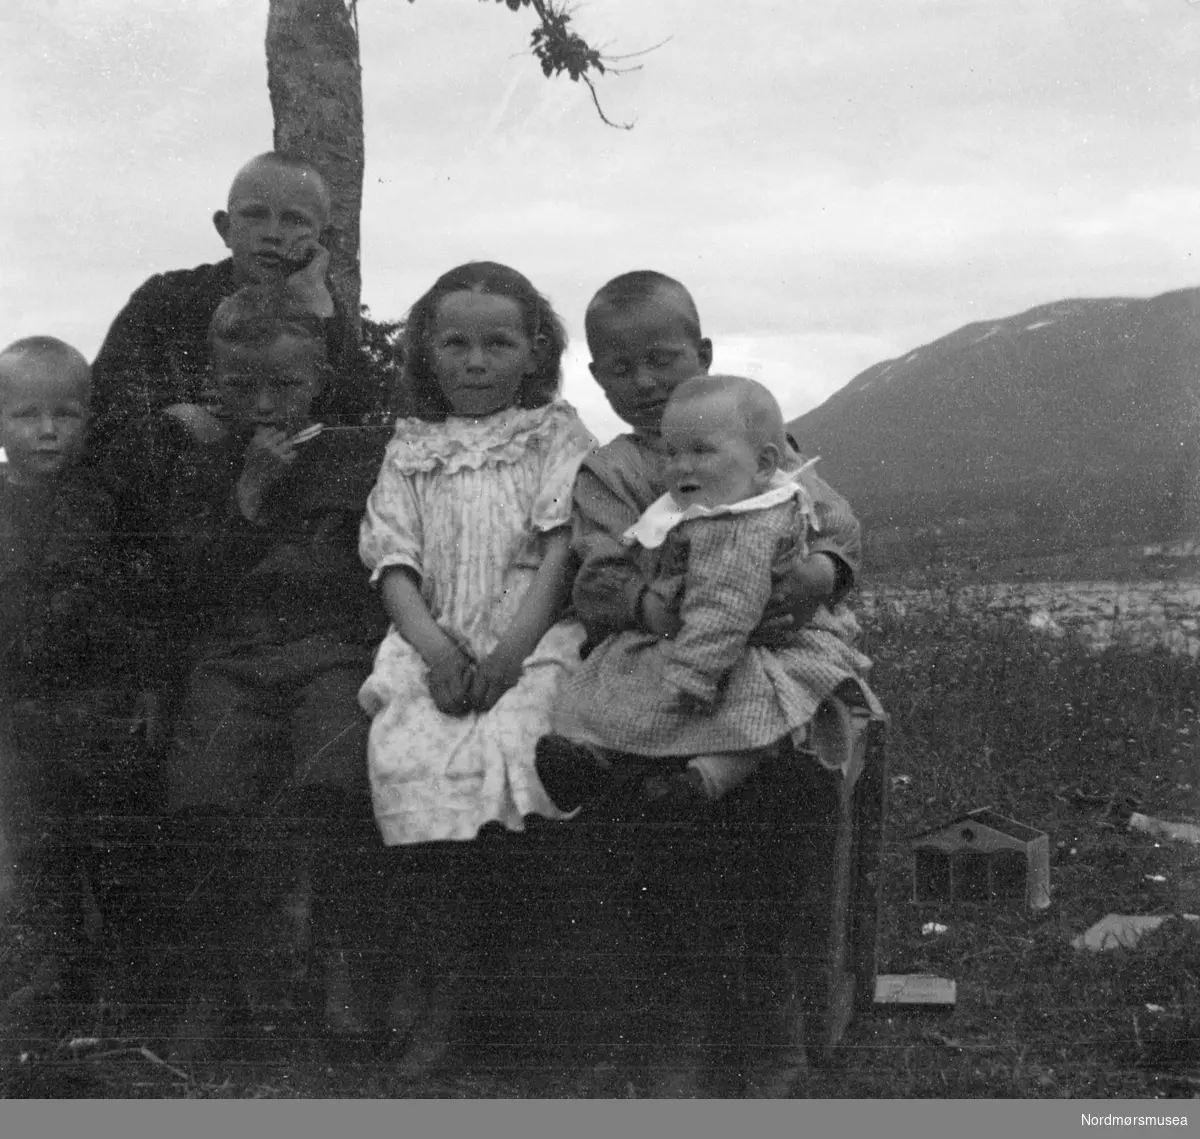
(570, 773)
(681, 796)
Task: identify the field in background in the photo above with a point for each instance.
(1098, 614)
(988, 711)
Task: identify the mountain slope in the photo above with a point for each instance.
(1077, 421)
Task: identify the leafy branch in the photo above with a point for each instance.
(558, 48)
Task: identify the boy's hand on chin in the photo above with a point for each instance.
(307, 265)
(268, 456)
(308, 258)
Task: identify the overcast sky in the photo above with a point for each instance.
(836, 183)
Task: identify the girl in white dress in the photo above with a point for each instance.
(467, 535)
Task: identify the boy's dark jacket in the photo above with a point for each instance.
(204, 572)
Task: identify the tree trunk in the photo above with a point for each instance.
(315, 83)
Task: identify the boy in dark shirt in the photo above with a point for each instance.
(52, 522)
(262, 549)
(62, 655)
(156, 353)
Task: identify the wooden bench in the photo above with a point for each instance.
(799, 850)
(754, 924)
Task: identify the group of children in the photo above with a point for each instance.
(514, 622)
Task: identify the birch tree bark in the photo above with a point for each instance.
(315, 84)
(314, 79)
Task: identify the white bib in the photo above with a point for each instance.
(664, 514)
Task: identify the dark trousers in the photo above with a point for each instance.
(72, 779)
(233, 873)
(266, 784)
(262, 717)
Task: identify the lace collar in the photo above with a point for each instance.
(457, 443)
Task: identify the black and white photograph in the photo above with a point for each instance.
(612, 550)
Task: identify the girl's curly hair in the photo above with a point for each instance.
(542, 326)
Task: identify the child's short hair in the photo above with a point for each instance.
(287, 161)
(48, 347)
(630, 290)
(755, 407)
(258, 315)
(542, 326)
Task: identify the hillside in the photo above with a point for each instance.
(1071, 425)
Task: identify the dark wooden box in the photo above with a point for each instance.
(813, 841)
(771, 906)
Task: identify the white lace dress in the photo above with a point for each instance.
(467, 505)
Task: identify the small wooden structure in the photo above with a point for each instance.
(982, 857)
(915, 991)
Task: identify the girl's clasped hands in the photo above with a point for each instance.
(458, 683)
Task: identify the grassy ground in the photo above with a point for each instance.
(984, 712)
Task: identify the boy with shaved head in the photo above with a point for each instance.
(156, 354)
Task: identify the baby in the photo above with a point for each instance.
(693, 690)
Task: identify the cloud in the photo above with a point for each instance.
(830, 180)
